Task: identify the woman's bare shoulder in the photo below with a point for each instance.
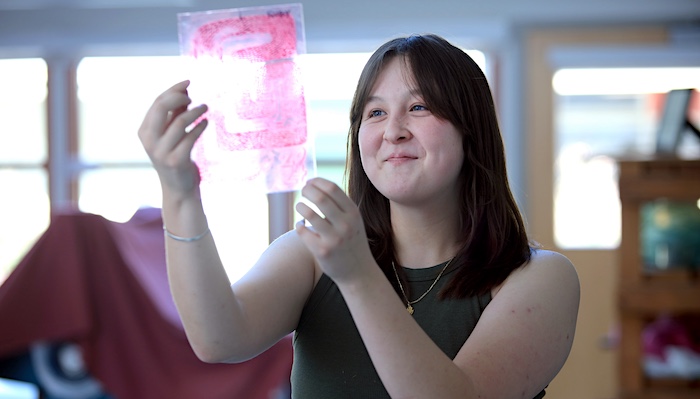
(551, 265)
(544, 266)
(549, 278)
(545, 255)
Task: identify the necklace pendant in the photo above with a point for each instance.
(409, 308)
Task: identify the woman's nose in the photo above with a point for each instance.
(396, 129)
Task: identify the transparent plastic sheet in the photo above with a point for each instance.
(243, 64)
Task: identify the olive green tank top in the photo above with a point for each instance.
(330, 359)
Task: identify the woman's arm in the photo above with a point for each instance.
(519, 344)
(221, 323)
(524, 336)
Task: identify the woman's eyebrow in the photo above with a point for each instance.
(373, 98)
(411, 93)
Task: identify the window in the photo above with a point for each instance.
(113, 176)
(114, 94)
(24, 205)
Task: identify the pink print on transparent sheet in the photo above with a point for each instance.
(243, 64)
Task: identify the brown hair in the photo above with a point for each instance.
(492, 232)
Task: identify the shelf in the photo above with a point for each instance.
(649, 180)
(649, 297)
(666, 388)
(663, 394)
(672, 383)
(645, 294)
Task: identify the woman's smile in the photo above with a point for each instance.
(399, 158)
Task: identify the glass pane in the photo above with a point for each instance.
(239, 221)
(117, 194)
(328, 124)
(24, 215)
(614, 114)
(114, 94)
(329, 84)
(23, 107)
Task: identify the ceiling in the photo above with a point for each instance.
(71, 24)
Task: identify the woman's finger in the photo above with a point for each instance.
(184, 147)
(174, 114)
(161, 112)
(324, 201)
(178, 129)
(320, 224)
(336, 194)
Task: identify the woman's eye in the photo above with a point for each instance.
(375, 112)
(419, 108)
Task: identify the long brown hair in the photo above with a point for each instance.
(492, 232)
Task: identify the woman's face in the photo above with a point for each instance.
(410, 155)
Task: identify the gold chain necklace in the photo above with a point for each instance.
(409, 304)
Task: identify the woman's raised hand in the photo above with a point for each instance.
(168, 137)
(338, 241)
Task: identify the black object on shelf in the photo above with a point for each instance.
(674, 122)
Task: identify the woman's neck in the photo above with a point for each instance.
(424, 238)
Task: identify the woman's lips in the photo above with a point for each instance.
(400, 158)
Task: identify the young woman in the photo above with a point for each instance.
(421, 283)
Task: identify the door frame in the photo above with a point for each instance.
(591, 370)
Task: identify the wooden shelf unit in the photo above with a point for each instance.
(643, 295)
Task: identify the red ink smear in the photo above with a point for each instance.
(280, 101)
(276, 109)
(286, 165)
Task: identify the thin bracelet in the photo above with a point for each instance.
(185, 239)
